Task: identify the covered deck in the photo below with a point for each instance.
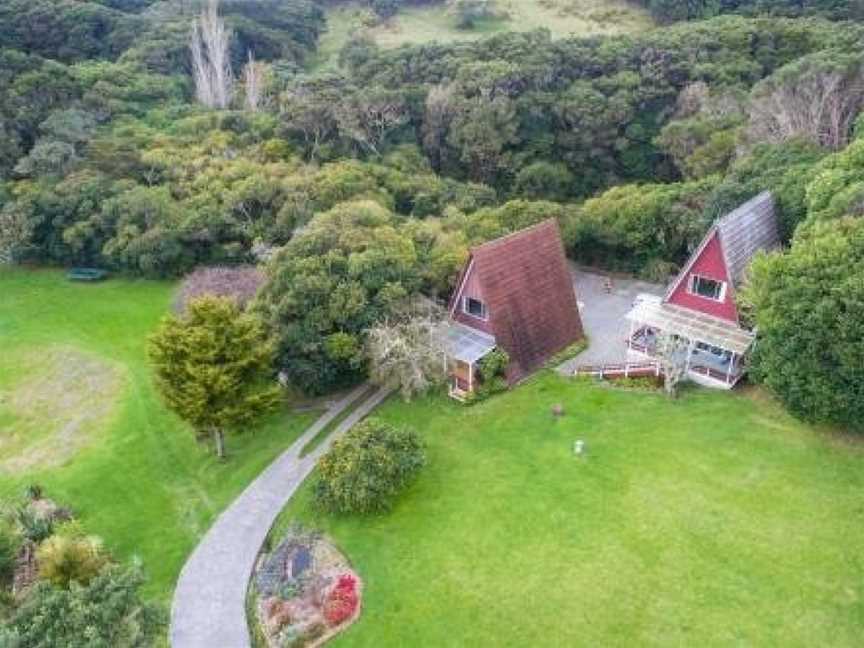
(716, 347)
(463, 348)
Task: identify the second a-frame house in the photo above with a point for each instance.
(514, 293)
(699, 304)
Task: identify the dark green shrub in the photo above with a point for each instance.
(108, 611)
(491, 375)
(366, 469)
(10, 543)
(34, 527)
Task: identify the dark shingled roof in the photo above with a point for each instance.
(745, 231)
(530, 295)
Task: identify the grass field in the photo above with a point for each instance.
(432, 22)
(712, 520)
(79, 415)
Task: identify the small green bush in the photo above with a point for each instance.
(644, 383)
(33, 526)
(491, 376)
(64, 559)
(366, 469)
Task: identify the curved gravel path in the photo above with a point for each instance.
(209, 606)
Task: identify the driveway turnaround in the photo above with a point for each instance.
(603, 303)
(209, 607)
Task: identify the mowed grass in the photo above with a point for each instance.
(137, 477)
(712, 520)
(426, 23)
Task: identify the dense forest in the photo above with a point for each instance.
(363, 186)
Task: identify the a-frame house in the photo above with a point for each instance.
(514, 293)
(699, 304)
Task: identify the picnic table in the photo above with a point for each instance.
(86, 274)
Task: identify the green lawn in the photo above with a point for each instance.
(425, 23)
(712, 520)
(79, 415)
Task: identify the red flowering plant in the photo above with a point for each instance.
(342, 601)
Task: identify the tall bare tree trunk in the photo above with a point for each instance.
(253, 80)
(211, 63)
(219, 441)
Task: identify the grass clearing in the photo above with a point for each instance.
(57, 400)
(140, 481)
(715, 519)
(431, 22)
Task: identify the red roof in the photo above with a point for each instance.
(526, 285)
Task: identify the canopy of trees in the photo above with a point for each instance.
(809, 306)
(361, 186)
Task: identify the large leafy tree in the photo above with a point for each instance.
(214, 367)
(349, 268)
(809, 307)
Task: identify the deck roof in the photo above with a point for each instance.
(692, 325)
(466, 344)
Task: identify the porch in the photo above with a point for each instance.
(716, 350)
(464, 347)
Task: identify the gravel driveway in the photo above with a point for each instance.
(603, 316)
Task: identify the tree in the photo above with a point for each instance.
(239, 283)
(482, 129)
(16, 232)
(254, 78)
(211, 62)
(672, 354)
(809, 311)
(439, 110)
(349, 268)
(468, 12)
(640, 224)
(544, 180)
(311, 112)
(405, 351)
(108, 611)
(214, 367)
(816, 97)
(365, 469)
(368, 116)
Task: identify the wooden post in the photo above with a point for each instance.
(470, 376)
(729, 370)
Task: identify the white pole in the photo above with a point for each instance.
(690, 347)
(729, 370)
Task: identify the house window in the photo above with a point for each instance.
(474, 307)
(705, 287)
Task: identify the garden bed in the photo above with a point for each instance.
(304, 591)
